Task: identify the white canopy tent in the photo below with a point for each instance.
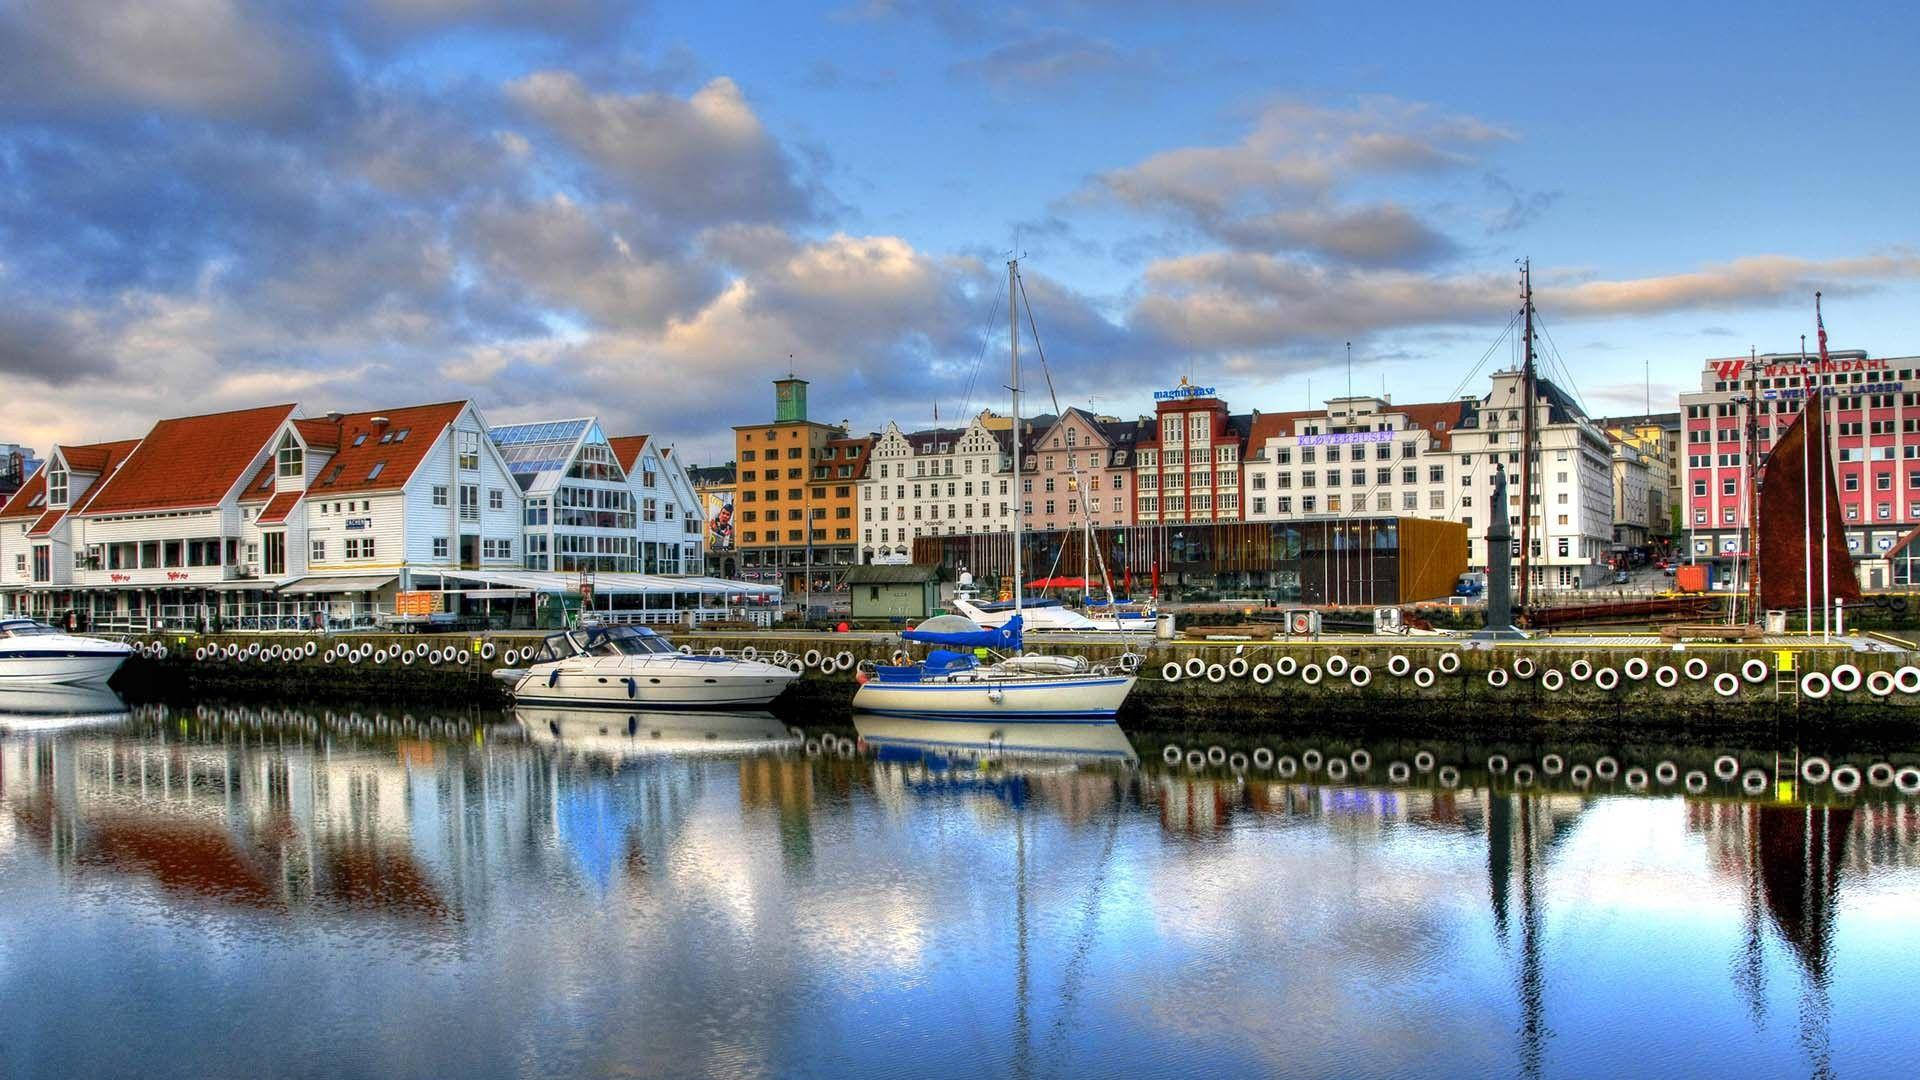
(649, 598)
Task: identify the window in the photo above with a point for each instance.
(496, 499)
(360, 548)
(469, 502)
(378, 468)
(439, 494)
(56, 486)
(439, 547)
(291, 461)
(469, 450)
(318, 552)
(496, 549)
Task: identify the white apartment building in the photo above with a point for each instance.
(943, 482)
(1360, 456)
(597, 504)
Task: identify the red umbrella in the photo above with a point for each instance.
(1058, 583)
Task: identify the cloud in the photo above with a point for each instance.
(43, 347)
(210, 57)
(695, 161)
(563, 18)
(1050, 58)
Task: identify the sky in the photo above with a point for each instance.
(646, 212)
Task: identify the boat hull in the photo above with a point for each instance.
(1083, 698)
(683, 683)
(48, 663)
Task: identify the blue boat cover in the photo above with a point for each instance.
(1006, 637)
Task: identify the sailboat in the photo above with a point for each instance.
(1011, 686)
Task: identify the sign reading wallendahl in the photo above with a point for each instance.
(1182, 392)
(1346, 437)
(1734, 368)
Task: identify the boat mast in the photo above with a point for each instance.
(1526, 442)
(1013, 352)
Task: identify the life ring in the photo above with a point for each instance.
(1398, 665)
(1880, 683)
(812, 659)
(1448, 775)
(1696, 668)
(1237, 667)
(1845, 678)
(748, 652)
(1552, 680)
(508, 658)
(1666, 772)
(1285, 765)
(1171, 753)
(1310, 674)
(1196, 759)
(1336, 769)
(1285, 666)
(380, 656)
(1237, 761)
(1755, 670)
(310, 649)
(1423, 677)
(1667, 676)
(1846, 779)
(1497, 764)
(1311, 759)
(794, 665)
(353, 657)
(273, 652)
(844, 660)
(1496, 677)
(1815, 770)
(1580, 670)
(406, 658)
(1130, 661)
(1606, 768)
(1552, 764)
(1726, 684)
(1196, 667)
(1907, 679)
(1907, 780)
(1399, 772)
(1523, 775)
(1449, 663)
(200, 653)
(1636, 779)
(1580, 776)
(1696, 781)
(685, 650)
(1362, 761)
(1726, 766)
(1754, 782)
(1336, 665)
(465, 658)
(898, 658)
(487, 651)
(159, 652)
(1216, 673)
(1879, 774)
(1171, 671)
(1216, 755)
(1423, 761)
(1263, 757)
(780, 658)
(1635, 668)
(1524, 667)
(1815, 685)
(1606, 678)
(1360, 675)
(1263, 673)
(436, 657)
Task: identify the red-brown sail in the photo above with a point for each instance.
(1786, 503)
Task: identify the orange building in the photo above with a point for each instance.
(797, 497)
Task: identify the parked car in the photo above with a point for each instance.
(1621, 577)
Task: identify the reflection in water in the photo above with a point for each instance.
(25, 709)
(706, 894)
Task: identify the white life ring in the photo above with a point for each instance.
(1552, 764)
(1636, 779)
(1606, 678)
(1262, 757)
(1667, 676)
(1448, 775)
(780, 658)
(1285, 765)
(1696, 781)
(1879, 774)
(1423, 677)
(1310, 674)
(487, 651)
(1907, 780)
(1846, 779)
(1496, 677)
(748, 652)
(1666, 772)
(1524, 667)
(1449, 663)
(1362, 761)
(1216, 673)
(1580, 775)
(1815, 685)
(1815, 770)
(1497, 764)
(1606, 768)
(1398, 665)
(1399, 772)
(1523, 775)
(1196, 667)
(794, 665)
(1754, 782)
(1237, 761)
(1696, 668)
(685, 650)
(1635, 668)
(1423, 761)
(844, 660)
(1263, 673)
(1336, 769)
(1285, 666)
(1359, 674)
(1845, 678)
(1754, 670)
(1552, 680)
(1237, 667)
(1196, 759)
(1907, 679)
(1216, 755)
(1171, 753)
(1170, 671)
(1336, 665)
(1880, 683)
(1580, 670)
(465, 658)
(1311, 759)
(1726, 684)
(1726, 766)
(406, 658)
(812, 659)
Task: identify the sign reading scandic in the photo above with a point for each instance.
(1347, 437)
(1181, 393)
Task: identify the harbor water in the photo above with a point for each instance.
(217, 889)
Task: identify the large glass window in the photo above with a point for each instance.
(292, 462)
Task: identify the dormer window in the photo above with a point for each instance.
(386, 437)
(374, 473)
(265, 482)
(56, 485)
(401, 435)
(360, 438)
(333, 474)
(292, 459)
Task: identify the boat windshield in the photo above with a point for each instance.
(24, 628)
(625, 641)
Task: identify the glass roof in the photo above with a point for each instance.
(530, 449)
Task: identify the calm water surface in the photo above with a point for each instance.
(239, 892)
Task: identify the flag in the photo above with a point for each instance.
(1820, 323)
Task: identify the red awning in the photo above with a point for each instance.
(1058, 583)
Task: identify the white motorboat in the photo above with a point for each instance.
(33, 653)
(1073, 742)
(39, 710)
(655, 733)
(632, 667)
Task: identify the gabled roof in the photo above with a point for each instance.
(1439, 417)
(386, 455)
(704, 475)
(193, 461)
(627, 449)
(279, 507)
(1277, 425)
(319, 434)
(864, 443)
(93, 458)
(19, 505)
(539, 453)
(110, 456)
(46, 523)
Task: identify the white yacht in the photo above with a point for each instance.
(654, 733)
(632, 667)
(33, 653)
(1051, 616)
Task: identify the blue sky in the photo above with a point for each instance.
(580, 205)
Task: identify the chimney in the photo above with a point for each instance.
(381, 421)
(335, 417)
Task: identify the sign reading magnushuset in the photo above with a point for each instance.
(1183, 392)
(1347, 437)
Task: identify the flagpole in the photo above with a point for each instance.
(1826, 452)
(1806, 481)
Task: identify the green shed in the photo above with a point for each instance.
(893, 592)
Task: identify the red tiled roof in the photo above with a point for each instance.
(626, 449)
(189, 462)
(279, 507)
(319, 434)
(1432, 415)
(110, 457)
(46, 523)
(17, 506)
(865, 443)
(92, 458)
(351, 469)
(260, 485)
(95, 458)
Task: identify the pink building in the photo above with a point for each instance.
(1080, 460)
